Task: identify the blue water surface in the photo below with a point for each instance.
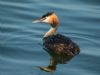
(20, 40)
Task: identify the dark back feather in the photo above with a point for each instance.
(54, 42)
(60, 46)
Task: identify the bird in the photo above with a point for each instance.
(60, 48)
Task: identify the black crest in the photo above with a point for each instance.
(47, 14)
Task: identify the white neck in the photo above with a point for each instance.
(52, 31)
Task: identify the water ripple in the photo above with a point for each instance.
(21, 41)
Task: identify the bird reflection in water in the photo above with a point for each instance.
(60, 48)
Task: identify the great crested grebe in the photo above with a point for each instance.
(60, 47)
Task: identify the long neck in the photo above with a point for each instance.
(52, 31)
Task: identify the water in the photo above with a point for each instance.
(20, 40)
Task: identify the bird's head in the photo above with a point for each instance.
(50, 18)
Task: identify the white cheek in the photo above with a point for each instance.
(46, 20)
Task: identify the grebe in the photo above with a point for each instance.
(60, 47)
